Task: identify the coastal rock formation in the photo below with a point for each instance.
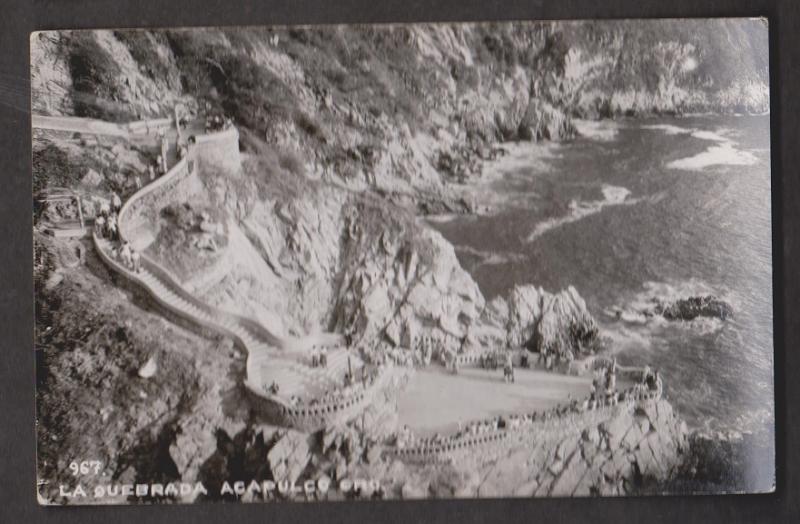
(615, 453)
(566, 328)
(552, 324)
(347, 134)
(410, 130)
(614, 457)
(692, 307)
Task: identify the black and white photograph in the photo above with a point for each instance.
(403, 261)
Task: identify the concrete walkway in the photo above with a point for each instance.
(78, 125)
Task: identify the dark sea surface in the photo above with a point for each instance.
(629, 212)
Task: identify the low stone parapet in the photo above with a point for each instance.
(314, 415)
(560, 419)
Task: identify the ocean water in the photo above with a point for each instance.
(638, 209)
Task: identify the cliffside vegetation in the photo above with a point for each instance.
(344, 131)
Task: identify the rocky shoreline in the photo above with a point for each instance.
(323, 217)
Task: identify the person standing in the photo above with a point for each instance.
(135, 260)
(116, 202)
(100, 226)
(125, 254)
(323, 357)
(111, 227)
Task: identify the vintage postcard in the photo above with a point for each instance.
(320, 263)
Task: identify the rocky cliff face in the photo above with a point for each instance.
(349, 133)
(407, 111)
(307, 257)
(616, 452)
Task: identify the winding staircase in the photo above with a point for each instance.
(261, 346)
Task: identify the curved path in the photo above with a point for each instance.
(259, 343)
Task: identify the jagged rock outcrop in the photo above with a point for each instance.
(566, 328)
(552, 324)
(381, 128)
(289, 456)
(617, 453)
(692, 307)
(338, 159)
(615, 456)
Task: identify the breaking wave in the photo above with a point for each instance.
(612, 196)
(723, 152)
(603, 130)
(637, 311)
(491, 258)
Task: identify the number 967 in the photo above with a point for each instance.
(85, 467)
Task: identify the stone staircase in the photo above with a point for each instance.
(256, 341)
(263, 349)
(170, 295)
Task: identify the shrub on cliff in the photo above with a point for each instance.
(94, 74)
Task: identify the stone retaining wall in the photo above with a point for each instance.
(312, 417)
(140, 212)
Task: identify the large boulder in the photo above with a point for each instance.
(524, 311)
(566, 328)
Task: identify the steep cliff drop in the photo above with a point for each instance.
(308, 224)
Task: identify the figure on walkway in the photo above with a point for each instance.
(116, 202)
(151, 173)
(454, 364)
(323, 357)
(611, 384)
(508, 368)
(125, 254)
(135, 260)
(314, 356)
(111, 227)
(100, 226)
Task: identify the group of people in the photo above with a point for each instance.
(217, 123)
(604, 385)
(106, 226)
(367, 378)
(493, 360)
(105, 222)
(129, 257)
(319, 357)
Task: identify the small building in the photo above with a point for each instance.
(61, 210)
